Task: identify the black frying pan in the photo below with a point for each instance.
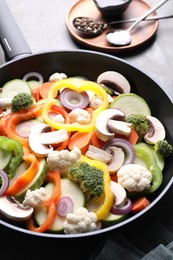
(89, 64)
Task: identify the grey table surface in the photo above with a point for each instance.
(43, 26)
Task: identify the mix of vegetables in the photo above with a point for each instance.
(77, 155)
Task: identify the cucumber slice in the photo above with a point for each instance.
(5, 158)
(36, 182)
(68, 188)
(33, 83)
(112, 219)
(131, 103)
(14, 87)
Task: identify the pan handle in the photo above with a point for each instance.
(11, 38)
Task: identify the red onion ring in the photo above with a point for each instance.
(72, 99)
(64, 206)
(122, 210)
(23, 128)
(125, 145)
(4, 181)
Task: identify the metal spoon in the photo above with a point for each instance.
(123, 37)
(90, 27)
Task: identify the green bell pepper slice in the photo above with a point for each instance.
(145, 153)
(15, 147)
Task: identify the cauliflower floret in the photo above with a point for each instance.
(80, 221)
(35, 197)
(63, 160)
(134, 177)
(59, 118)
(95, 102)
(57, 76)
(80, 116)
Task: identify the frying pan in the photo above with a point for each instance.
(89, 64)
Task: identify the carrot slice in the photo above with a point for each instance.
(132, 137)
(36, 93)
(140, 204)
(82, 140)
(63, 145)
(96, 141)
(44, 89)
(89, 110)
(2, 126)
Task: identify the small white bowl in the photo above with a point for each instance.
(112, 9)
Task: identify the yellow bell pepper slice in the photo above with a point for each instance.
(102, 205)
(79, 86)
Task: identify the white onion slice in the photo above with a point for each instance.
(33, 75)
(72, 99)
(126, 208)
(64, 206)
(4, 181)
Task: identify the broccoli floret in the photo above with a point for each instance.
(139, 123)
(89, 178)
(108, 90)
(21, 101)
(163, 147)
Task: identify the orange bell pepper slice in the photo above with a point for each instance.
(51, 209)
(54, 176)
(49, 204)
(21, 181)
(15, 118)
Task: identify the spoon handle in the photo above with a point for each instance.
(151, 18)
(147, 14)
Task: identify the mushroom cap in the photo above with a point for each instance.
(102, 129)
(41, 138)
(114, 80)
(119, 193)
(13, 210)
(156, 130)
(118, 158)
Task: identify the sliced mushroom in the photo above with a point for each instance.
(102, 129)
(118, 157)
(119, 193)
(13, 210)
(155, 132)
(98, 154)
(54, 137)
(5, 102)
(40, 140)
(119, 127)
(115, 81)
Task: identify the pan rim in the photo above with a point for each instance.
(118, 225)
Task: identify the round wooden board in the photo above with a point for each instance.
(143, 32)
